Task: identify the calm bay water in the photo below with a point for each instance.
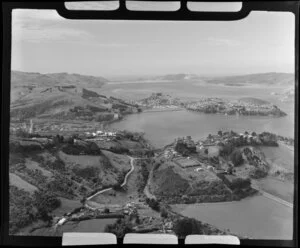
(161, 128)
(256, 217)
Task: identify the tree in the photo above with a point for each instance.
(69, 140)
(94, 148)
(106, 210)
(56, 139)
(254, 134)
(237, 158)
(22, 133)
(120, 227)
(220, 133)
(227, 149)
(164, 212)
(187, 226)
(83, 200)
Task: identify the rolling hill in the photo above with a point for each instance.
(61, 96)
(23, 83)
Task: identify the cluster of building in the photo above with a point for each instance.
(187, 141)
(223, 138)
(170, 153)
(100, 133)
(159, 100)
(130, 208)
(165, 107)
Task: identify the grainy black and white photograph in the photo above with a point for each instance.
(130, 126)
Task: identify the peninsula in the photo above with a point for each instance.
(211, 105)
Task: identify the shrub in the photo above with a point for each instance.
(164, 212)
(237, 158)
(187, 226)
(22, 133)
(120, 227)
(87, 172)
(154, 204)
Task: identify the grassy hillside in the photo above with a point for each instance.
(67, 178)
(30, 79)
(173, 184)
(62, 96)
(18, 182)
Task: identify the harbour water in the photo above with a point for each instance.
(256, 217)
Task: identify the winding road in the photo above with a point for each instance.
(123, 184)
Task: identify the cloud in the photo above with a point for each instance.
(44, 26)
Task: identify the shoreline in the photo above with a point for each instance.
(291, 148)
(153, 110)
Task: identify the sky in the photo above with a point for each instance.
(43, 41)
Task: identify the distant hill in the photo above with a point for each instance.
(23, 83)
(19, 78)
(272, 78)
(286, 95)
(61, 96)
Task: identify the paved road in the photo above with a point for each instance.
(123, 184)
(128, 174)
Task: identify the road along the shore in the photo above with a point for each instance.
(274, 198)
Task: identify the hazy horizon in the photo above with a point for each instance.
(136, 76)
(44, 42)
